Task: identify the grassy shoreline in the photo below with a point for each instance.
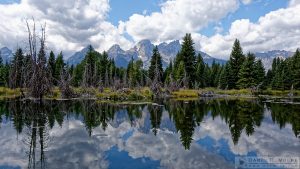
(144, 94)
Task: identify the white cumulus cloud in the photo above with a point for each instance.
(70, 24)
(278, 29)
(178, 17)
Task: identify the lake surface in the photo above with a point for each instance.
(168, 134)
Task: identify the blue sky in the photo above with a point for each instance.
(121, 10)
(260, 25)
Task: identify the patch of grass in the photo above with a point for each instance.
(271, 92)
(54, 94)
(234, 92)
(9, 93)
(128, 94)
(183, 93)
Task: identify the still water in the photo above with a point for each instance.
(168, 134)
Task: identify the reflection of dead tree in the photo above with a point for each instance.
(37, 136)
(39, 84)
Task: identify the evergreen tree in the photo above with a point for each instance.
(16, 68)
(51, 66)
(268, 79)
(138, 76)
(103, 64)
(168, 73)
(130, 73)
(180, 71)
(187, 56)
(77, 75)
(27, 70)
(296, 69)
(207, 74)
(89, 68)
(236, 61)
(246, 74)
(259, 72)
(286, 74)
(224, 76)
(215, 72)
(4, 73)
(277, 79)
(155, 63)
(200, 79)
(59, 66)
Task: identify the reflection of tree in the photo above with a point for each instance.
(155, 117)
(282, 114)
(33, 119)
(3, 111)
(240, 115)
(183, 115)
(133, 111)
(96, 114)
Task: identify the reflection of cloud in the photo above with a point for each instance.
(74, 149)
(166, 147)
(267, 139)
(12, 151)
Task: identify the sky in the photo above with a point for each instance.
(260, 25)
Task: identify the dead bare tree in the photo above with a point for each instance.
(106, 79)
(173, 85)
(185, 80)
(64, 85)
(39, 83)
(156, 86)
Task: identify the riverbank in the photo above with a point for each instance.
(145, 94)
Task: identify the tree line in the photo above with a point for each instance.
(38, 73)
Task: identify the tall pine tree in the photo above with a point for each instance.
(200, 79)
(16, 68)
(187, 56)
(259, 73)
(236, 61)
(51, 66)
(59, 66)
(296, 69)
(89, 68)
(246, 74)
(155, 68)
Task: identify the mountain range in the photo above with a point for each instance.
(6, 54)
(143, 50)
(267, 57)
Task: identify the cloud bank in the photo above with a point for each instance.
(71, 25)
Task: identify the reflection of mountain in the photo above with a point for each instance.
(80, 129)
